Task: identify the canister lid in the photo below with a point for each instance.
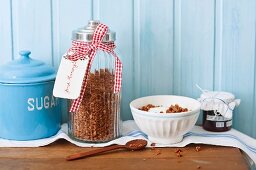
(86, 33)
(26, 70)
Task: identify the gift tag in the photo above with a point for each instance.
(69, 78)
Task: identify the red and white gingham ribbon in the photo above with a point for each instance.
(81, 50)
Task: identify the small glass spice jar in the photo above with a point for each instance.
(217, 108)
(98, 116)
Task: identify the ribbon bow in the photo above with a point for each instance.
(82, 50)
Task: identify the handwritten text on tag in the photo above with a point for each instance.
(69, 78)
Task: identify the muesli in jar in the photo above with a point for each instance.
(94, 112)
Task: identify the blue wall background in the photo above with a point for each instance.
(167, 46)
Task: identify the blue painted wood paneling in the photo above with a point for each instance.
(235, 62)
(67, 16)
(5, 31)
(166, 46)
(194, 46)
(32, 28)
(153, 47)
(194, 51)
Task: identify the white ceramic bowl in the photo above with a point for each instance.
(165, 128)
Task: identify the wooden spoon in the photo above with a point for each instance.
(136, 144)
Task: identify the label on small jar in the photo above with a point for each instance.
(229, 123)
(222, 124)
(70, 78)
(216, 118)
(219, 124)
(215, 121)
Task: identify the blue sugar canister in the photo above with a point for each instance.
(28, 109)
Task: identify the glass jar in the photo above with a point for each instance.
(98, 117)
(217, 109)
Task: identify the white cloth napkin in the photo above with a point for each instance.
(130, 131)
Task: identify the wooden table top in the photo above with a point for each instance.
(53, 157)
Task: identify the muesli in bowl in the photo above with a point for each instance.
(165, 118)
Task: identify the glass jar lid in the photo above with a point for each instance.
(86, 33)
(26, 70)
(224, 96)
(220, 102)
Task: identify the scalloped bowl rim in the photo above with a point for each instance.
(135, 110)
